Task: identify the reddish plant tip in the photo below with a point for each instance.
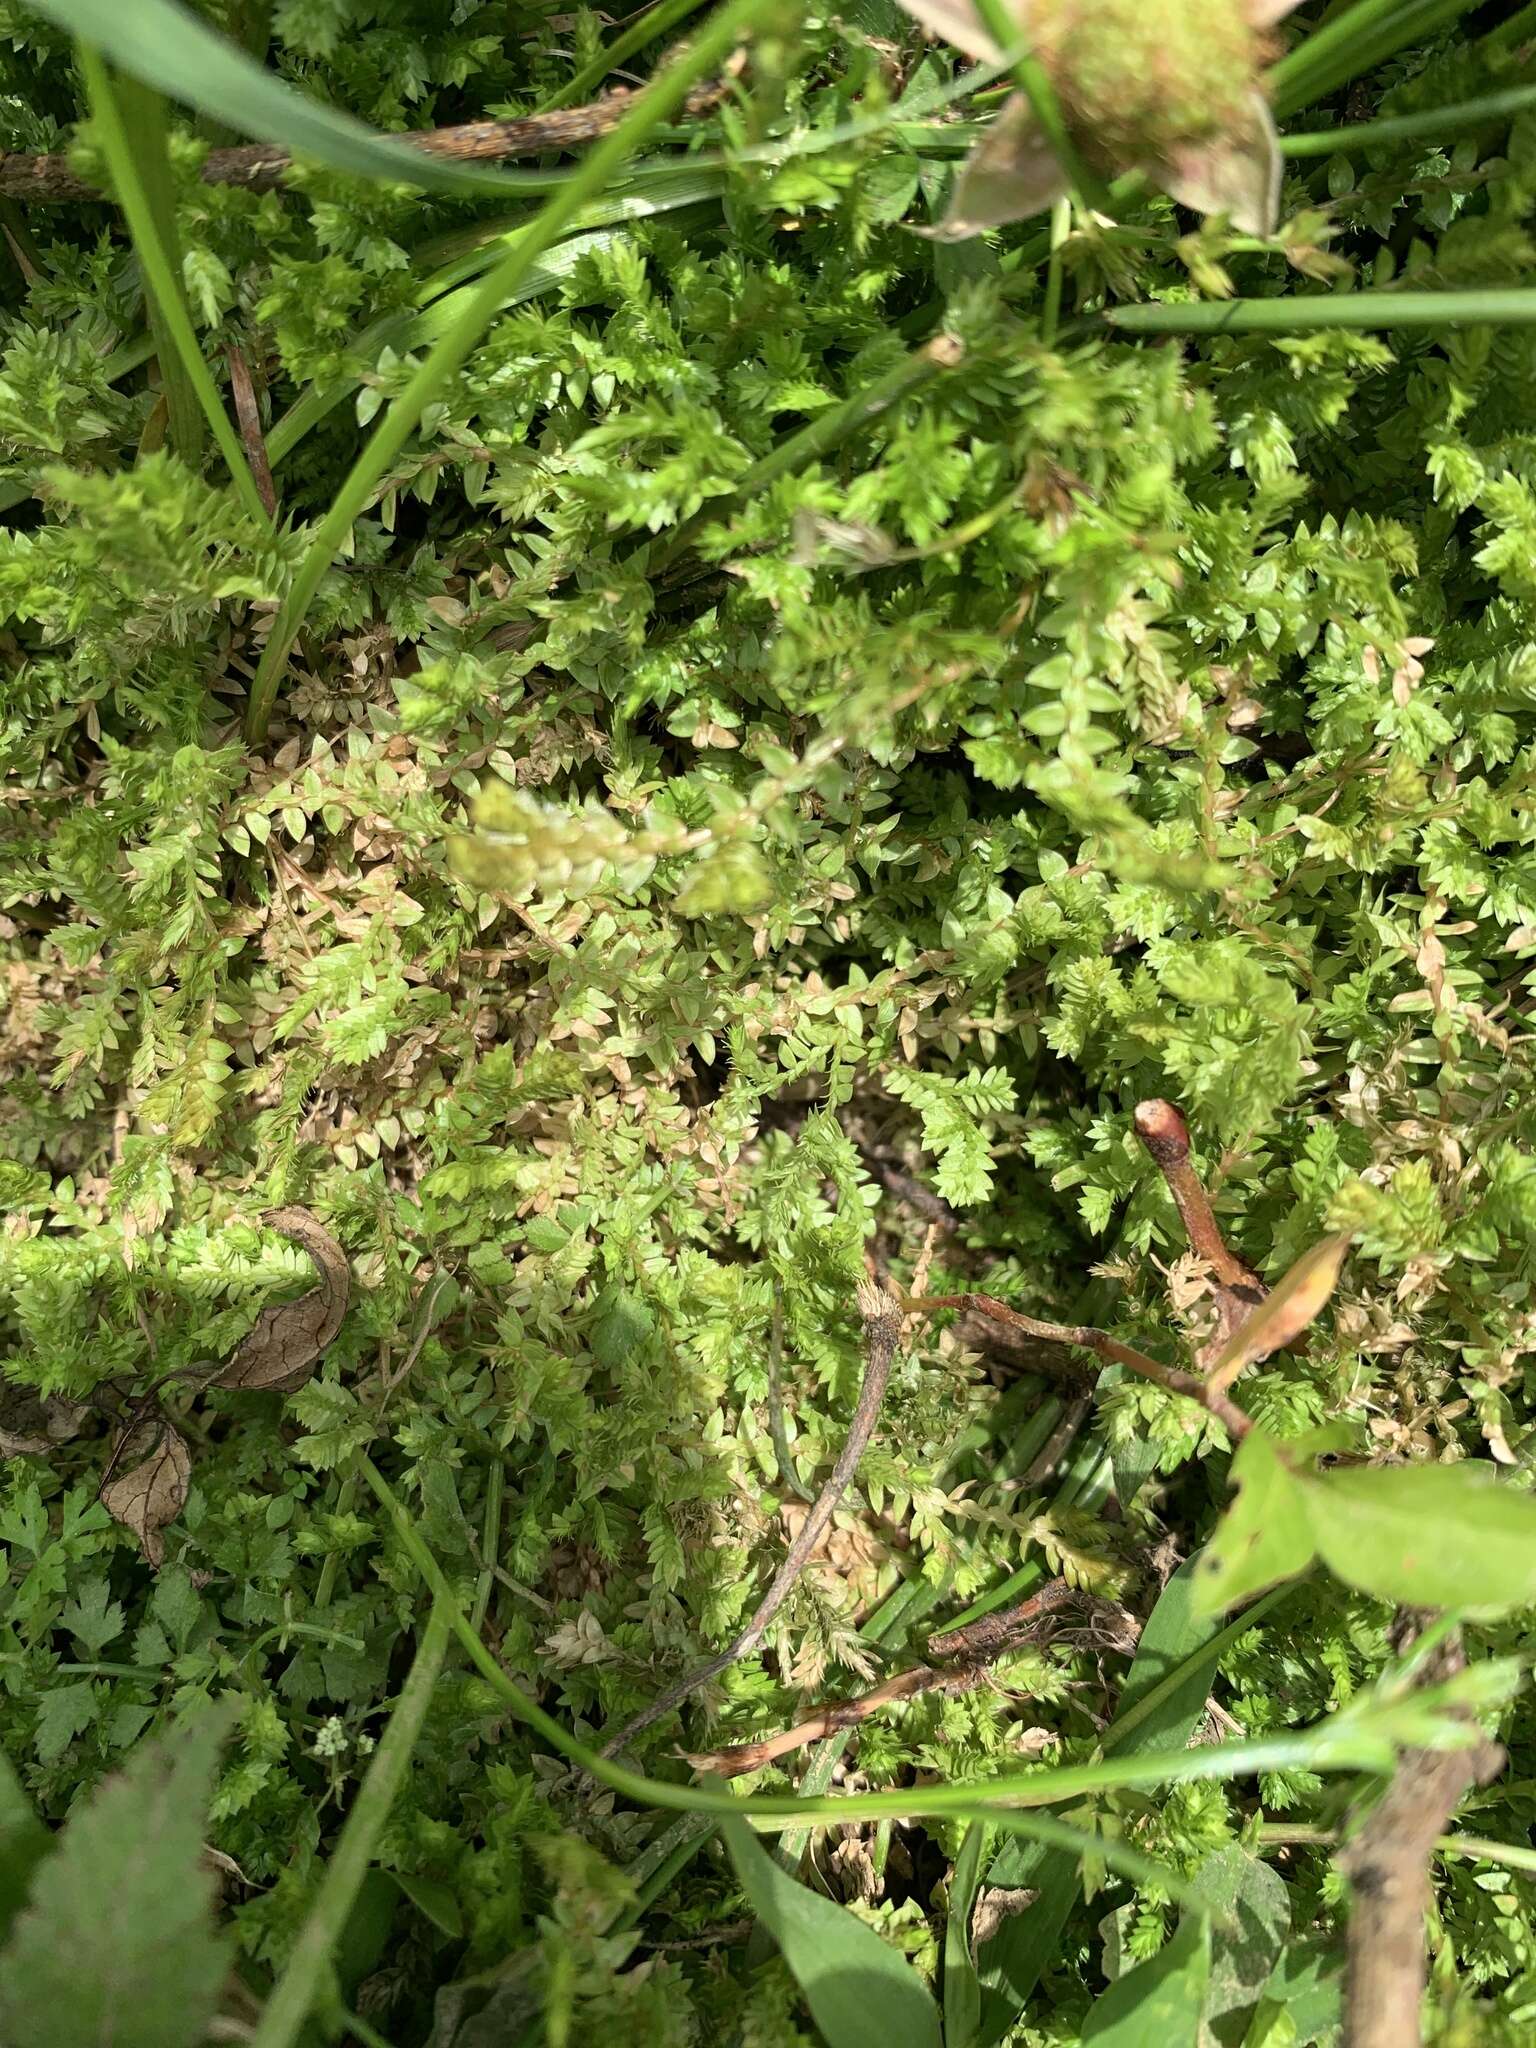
(1162, 1129)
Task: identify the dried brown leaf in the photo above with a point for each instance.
(150, 1495)
(30, 1426)
(1280, 1319)
(281, 1349)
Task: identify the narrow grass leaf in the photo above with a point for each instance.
(286, 2011)
(660, 98)
(162, 274)
(172, 50)
(962, 1987)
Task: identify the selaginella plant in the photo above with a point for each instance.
(683, 769)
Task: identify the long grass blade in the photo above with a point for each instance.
(169, 48)
(652, 106)
(296, 1990)
(162, 275)
(1364, 311)
(1430, 124)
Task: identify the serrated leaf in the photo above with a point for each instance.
(1263, 1537)
(1426, 1535)
(24, 1842)
(116, 1948)
(861, 1993)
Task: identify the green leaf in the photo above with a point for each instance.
(861, 1993)
(1426, 1535)
(170, 49)
(24, 1842)
(131, 126)
(127, 1892)
(62, 1714)
(1308, 1985)
(962, 1987)
(1159, 2002)
(1253, 1911)
(1263, 1537)
(430, 1896)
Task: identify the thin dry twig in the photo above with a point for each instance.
(1387, 1863)
(1083, 1337)
(959, 1662)
(248, 413)
(1162, 1129)
(260, 166)
(881, 1315)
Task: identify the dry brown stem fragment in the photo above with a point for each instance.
(959, 1662)
(1387, 1863)
(248, 413)
(260, 166)
(881, 1314)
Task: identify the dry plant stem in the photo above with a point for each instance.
(965, 1653)
(881, 1313)
(1082, 1337)
(1387, 1863)
(248, 413)
(259, 167)
(1161, 1128)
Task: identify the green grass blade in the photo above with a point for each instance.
(1365, 311)
(1432, 123)
(297, 1989)
(1355, 1745)
(141, 116)
(660, 98)
(162, 274)
(408, 332)
(170, 49)
(646, 28)
(962, 1987)
(1355, 42)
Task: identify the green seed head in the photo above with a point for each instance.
(1140, 79)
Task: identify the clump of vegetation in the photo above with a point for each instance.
(730, 922)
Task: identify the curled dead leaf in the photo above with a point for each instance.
(281, 1349)
(151, 1494)
(30, 1426)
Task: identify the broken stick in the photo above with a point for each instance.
(881, 1314)
(262, 166)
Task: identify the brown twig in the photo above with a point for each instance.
(1083, 1337)
(1387, 1863)
(960, 1659)
(248, 413)
(1162, 1129)
(881, 1314)
(260, 166)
